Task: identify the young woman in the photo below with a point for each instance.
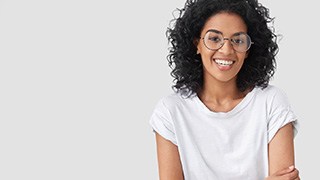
(224, 121)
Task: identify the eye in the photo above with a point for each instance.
(238, 40)
(215, 39)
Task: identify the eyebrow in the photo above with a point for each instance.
(213, 30)
(219, 32)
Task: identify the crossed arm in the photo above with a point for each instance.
(281, 157)
(169, 163)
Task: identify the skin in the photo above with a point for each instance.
(220, 94)
(281, 155)
(169, 163)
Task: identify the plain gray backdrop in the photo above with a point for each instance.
(79, 80)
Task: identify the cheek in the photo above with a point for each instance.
(242, 56)
(206, 57)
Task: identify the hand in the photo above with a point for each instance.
(290, 173)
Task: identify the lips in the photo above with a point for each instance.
(224, 64)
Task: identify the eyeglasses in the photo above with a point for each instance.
(214, 40)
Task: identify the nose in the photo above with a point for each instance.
(227, 47)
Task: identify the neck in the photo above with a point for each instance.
(219, 92)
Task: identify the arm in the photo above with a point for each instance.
(281, 155)
(168, 160)
(281, 149)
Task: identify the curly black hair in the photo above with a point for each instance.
(186, 64)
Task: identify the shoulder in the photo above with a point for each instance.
(172, 100)
(176, 102)
(269, 90)
(274, 99)
(271, 93)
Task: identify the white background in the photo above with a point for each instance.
(79, 80)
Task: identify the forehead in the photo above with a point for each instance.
(227, 23)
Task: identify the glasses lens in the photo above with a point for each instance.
(213, 40)
(241, 42)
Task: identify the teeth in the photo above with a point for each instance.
(223, 62)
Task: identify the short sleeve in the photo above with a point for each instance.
(161, 122)
(280, 114)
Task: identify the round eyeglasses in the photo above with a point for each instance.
(214, 40)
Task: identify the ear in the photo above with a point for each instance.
(196, 42)
(247, 54)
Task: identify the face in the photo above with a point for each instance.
(224, 63)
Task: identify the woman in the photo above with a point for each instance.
(224, 120)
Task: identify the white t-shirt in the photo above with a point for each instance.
(223, 145)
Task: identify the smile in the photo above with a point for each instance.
(222, 62)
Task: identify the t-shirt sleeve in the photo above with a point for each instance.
(280, 114)
(161, 122)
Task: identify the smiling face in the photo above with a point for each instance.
(223, 64)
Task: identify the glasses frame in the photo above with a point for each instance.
(225, 38)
